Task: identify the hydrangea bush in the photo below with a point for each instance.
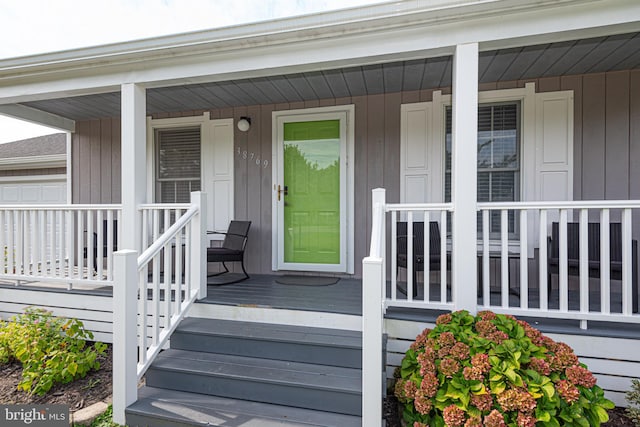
(493, 370)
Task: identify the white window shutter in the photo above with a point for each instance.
(554, 146)
(415, 167)
(217, 173)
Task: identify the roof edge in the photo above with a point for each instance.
(355, 20)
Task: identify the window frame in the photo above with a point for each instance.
(217, 176)
(157, 180)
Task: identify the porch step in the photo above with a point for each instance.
(279, 342)
(217, 371)
(169, 408)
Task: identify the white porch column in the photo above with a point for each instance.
(464, 177)
(134, 163)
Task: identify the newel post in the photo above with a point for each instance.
(199, 243)
(373, 285)
(125, 329)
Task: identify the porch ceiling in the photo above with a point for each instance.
(600, 54)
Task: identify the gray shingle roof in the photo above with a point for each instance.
(38, 146)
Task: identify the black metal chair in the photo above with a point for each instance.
(418, 248)
(573, 253)
(232, 249)
(105, 246)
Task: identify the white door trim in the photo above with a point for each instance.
(346, 113)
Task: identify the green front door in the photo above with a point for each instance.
(310, 197)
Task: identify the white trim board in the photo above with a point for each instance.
(34, 162)
(32, 178)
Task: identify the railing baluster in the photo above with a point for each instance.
(40, 267)
(426, 262)
(542, 262)
(91, 245)
(156, 298)
(187, 248)
(142, 310)
(605, 246)
(394, 258)
(31, 239)
(178, 279)
(563, 278)
(443, 256)
(410, 266)
(167, 284)
(11, 243)
(100, 244)
(60, 229)
(79, 238)
(51, 225)
(110, 244)
(584, 264)
(627, 281)
(3, 245)
(486, 284)
(70, 246)
(524, 260)
(504, 257)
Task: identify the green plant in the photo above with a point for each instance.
(633, 397)
(51, 349)
(493, 370)
(104, 420)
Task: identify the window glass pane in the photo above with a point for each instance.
(177, 164)
(498, 152)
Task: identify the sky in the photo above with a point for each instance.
(29, 27)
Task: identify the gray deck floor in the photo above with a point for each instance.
(344, 297)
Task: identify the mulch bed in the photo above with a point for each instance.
(391, 413)
(95, 387)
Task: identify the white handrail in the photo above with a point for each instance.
(150, 206)
(157, 246)
(58, 207)
(143, 296)
(578, 204)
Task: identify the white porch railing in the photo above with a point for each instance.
(69, 244)
(154, 291)
(157, 218)
(421, 215)
(516, 235)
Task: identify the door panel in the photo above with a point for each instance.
(312, 197)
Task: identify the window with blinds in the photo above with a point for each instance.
(498, 158)
(177, 164)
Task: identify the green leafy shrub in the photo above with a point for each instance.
(633, 397)
(51, 349)
(493, 370)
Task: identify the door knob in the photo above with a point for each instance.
(284, 191)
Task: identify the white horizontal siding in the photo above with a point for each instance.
(95, 311)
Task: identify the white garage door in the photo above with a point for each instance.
(44, 191)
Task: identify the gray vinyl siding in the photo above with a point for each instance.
(95, 162)
(606, 151)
